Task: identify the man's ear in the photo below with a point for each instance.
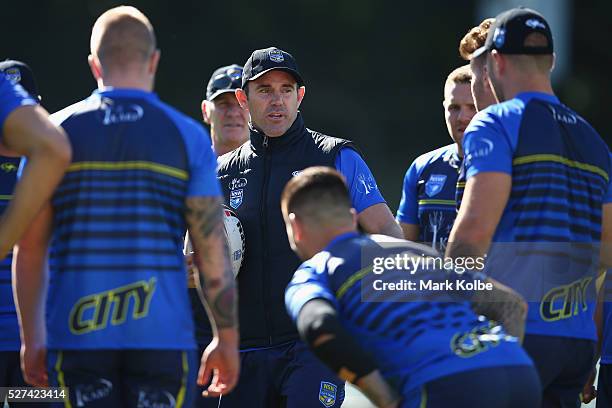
(242, 98)
(296, 227)
(301, 91)
(95, 67)
(205, 112)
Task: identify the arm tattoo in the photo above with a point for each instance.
(211, 255)
(503, 305)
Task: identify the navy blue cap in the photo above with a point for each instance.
(510, 29)
(224, 79)
(19, 73)
(265, 60)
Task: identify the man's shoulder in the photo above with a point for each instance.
(234, 157)
(330, 143)
(433, 156)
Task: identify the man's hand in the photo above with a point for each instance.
(589, 393)
(34, 365)
(221, 360)
(378, 390)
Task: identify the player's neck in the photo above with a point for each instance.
(541, 85)
(126, 82)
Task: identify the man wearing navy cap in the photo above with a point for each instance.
(538, 198)
(278, 370)
(229, 123)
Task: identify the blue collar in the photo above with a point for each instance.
(527, 96)
(339, 238)
(125, 92)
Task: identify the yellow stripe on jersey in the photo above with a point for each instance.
(60, 378)
(439, 202)
(461, 184)
(534, 158)
(130, 165)
(180, 397)
(352, 280)
(5, 197)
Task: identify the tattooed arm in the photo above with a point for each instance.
(503, 305)
(217, 287)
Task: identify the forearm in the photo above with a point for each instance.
(29, 290)
(503, 305)
(215, 279)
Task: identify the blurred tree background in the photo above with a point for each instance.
(374, 69)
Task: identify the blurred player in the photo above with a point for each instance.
(20, 73)
(25, 130)
(277, 368)
(427, 210)
(229, 123)
(481, 90)
(119, 325)
(430, 347)
(537, 175)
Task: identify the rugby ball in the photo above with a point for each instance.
(234, 234)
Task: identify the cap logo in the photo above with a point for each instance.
(13, 75)
(499, 37)
(534, 23)
(234, 73)
(276, 55)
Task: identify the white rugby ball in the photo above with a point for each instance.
(234, 234)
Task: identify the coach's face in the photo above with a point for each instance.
(458, 109)
(481, 90)
(273, 101)
(228, 121)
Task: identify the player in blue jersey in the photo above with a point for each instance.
(119, 329)
(427, 209)
(25, 130)
(20, 73)
(414, 348)
(537, 176)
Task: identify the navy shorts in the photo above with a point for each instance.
(604, 386)
(285, 376)
(11, 376)
(499, 387)
(564, 365)
(125, 378)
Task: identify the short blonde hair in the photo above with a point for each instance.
(475, 38)
(121, 36)
(461, 75)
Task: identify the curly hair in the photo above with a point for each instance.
(475, 38)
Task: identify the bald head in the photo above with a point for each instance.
(122, 37)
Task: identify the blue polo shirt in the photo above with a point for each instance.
(546, 243)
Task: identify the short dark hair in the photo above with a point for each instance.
(318, 194)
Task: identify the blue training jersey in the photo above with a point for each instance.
(546, 243)
(9, 328)
(413, 341)
(428, 195)
(361, 184)
(606, 345)
(11, 97)
(119, 274)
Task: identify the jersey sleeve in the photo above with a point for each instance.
(11, 98)
(486, 147)
(408, 210)
(202, 162)
(307, 284)
(361, 184)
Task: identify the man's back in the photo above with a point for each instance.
(416, 333)
(119, 224)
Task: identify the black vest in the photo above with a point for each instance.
(252, 178)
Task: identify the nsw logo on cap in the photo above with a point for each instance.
(535, 23)
(499, 37)
(13, 75)
(276, 55)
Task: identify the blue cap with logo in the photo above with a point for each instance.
(509, 32)
(267, 59)
(224, 79)
(20, 73)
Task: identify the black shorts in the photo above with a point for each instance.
(125, 378)
(564, 365)
(604, 386)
